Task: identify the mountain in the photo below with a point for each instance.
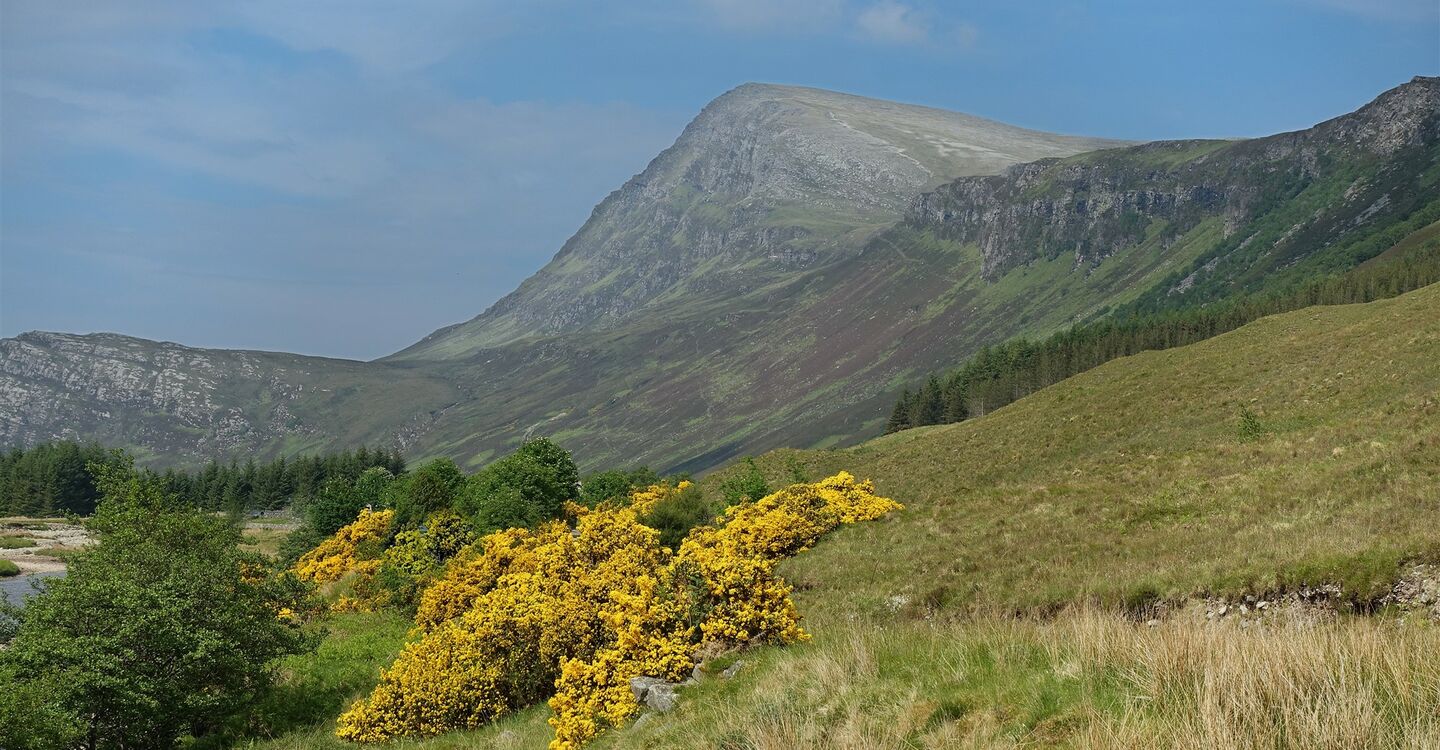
(779, 273)
(767, 181)
(168, 401)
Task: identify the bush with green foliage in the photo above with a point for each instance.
(615, 484)
(162, 629)
(524, 488)
(436, 485)
(675, 515)
(8, 568)
(748, 484)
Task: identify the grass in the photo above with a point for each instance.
(63, 554)
(16, 542)
(1086, 679)
(266, 541)
(313, 688)
(8, 568)
(1143, 479)
(998, 609)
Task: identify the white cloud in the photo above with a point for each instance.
(893, 22)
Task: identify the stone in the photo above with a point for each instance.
(731, 670)
(662, 697)
(641, 686)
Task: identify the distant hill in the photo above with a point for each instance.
(774, 278)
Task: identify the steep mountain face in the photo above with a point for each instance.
(776, 276)
(184, 402)
(1277, 200)
(766, 180)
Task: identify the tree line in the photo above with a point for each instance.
(997, 375)
(53, 478)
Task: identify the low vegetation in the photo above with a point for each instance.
(573, 615)
(164, 629)
(16, 542)
(1046, 585)
(1084, 679)
(998, 375)
(8, 568)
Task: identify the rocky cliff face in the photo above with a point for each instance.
(192, 403)
(1362, 167)
(766, 180)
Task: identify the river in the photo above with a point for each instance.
(17, 588)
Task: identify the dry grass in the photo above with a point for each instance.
(1084, 680)
(264, 540)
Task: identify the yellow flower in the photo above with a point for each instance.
(575, 614)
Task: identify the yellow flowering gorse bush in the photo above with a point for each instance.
(338, 555)
(574, 615)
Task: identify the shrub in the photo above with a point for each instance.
(615, 485)
(747, 485)
(344, 551)
(576, 614)
(677, 513)
(165, 627)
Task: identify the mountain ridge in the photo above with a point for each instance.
(846, 161)
(802, 343)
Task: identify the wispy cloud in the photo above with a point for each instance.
(277, 142)
(893, 22)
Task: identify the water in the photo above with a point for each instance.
(17, 588)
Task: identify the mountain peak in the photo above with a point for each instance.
(766, 179)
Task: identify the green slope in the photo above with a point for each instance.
(1141, 478)
(1133, 482)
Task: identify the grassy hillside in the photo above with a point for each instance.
(1143, 477)
(1006, 605)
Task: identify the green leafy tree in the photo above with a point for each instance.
(164, 628)
(558, 459)
(748, 484)
(434, 486)
(335, 505)
(502, 508)
(541, 473)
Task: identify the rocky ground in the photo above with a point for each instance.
(52, 540)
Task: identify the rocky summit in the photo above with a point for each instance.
(774, 278)
(767, 180)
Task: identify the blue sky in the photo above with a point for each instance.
(341, 178)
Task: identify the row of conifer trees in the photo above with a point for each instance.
(997, 375)
(52, 478)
